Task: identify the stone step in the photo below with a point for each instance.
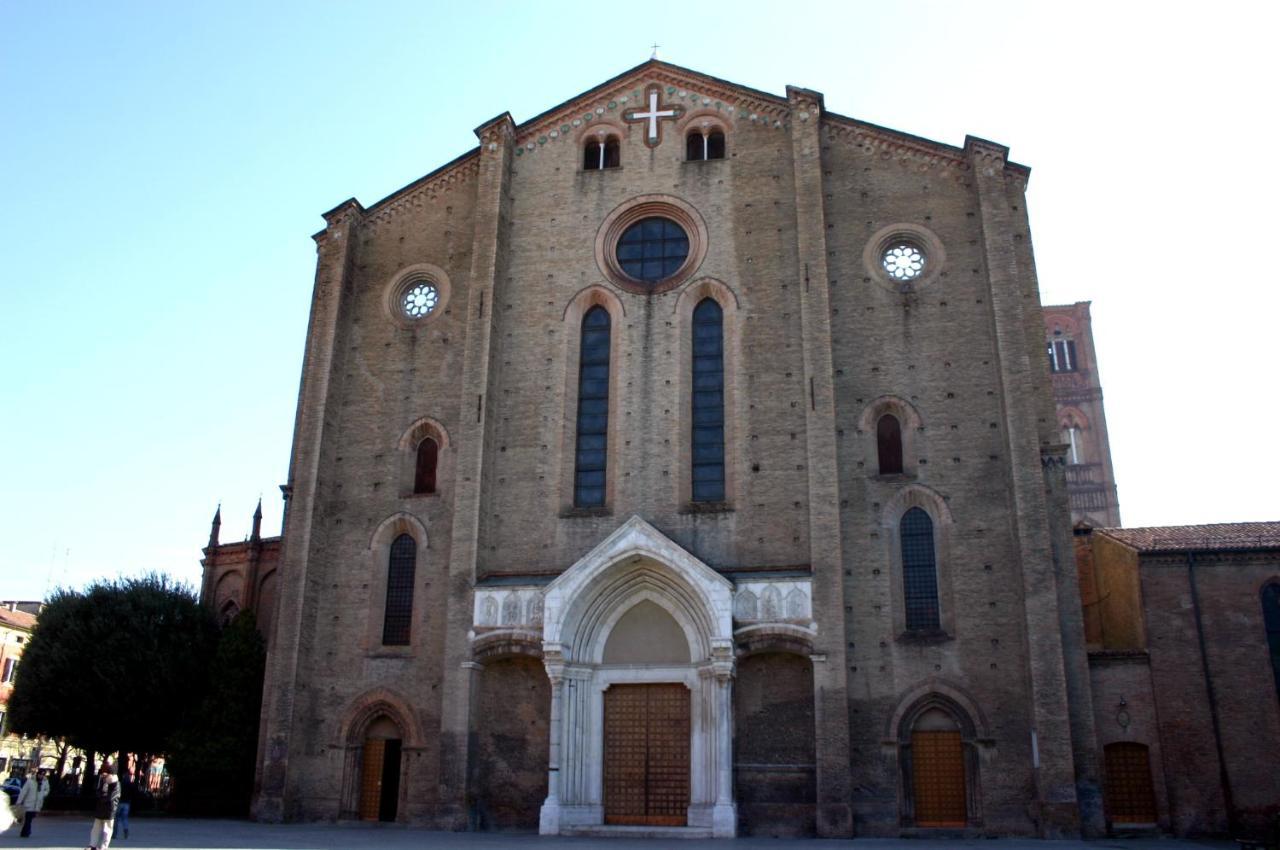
(613, 831)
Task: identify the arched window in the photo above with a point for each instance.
(601, 153)
(1128, 792)
(1271, 619)
(919, 571)
(889, 444)
(593, 410)
(398, 614)
(708, 402)
(424, 471)
(700, 145)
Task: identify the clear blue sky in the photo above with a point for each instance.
(164, 165)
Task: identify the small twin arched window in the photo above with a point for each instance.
(601, 152)
(699, 145)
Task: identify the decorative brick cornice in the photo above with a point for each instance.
(683, 88)
(425, 191)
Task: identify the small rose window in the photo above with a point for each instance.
(903, 261)
(420, 299)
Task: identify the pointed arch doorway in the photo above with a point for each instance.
(380, 771)
(637, 644)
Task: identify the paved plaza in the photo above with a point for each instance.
(71, 833)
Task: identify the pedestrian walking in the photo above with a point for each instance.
(126, 800)
(31, 799)
(104, 812)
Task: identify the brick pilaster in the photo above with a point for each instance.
(831, 702)
(497, 141)
(1011, 294)
(336, 245)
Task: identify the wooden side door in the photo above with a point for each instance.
(371, 765)
(937, 762)
(1128, 790)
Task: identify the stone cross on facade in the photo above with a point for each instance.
(654, 131)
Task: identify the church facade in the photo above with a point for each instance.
(683, 458)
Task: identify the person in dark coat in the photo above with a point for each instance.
(104, 811)
(126, 799)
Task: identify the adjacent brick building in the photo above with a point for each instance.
(1183, 628)
(682, 457)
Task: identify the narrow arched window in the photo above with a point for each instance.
(715, 145)
(593, 410)
(693, 150)
(399, 610)
(598, 153)
(424, 471)
(889, 444)
(1271, 619)
(919, 571)
(708, 402)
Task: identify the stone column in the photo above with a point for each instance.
(488, 249)
(336, 247)
(831, 699)
(724, 818)
(549, 817)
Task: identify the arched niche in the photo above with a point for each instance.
(646, 634)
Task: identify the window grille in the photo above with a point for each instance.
(708, 402)
(399, 611)
(593, 410)
(919, 571)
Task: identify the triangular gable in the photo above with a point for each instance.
(635, 537)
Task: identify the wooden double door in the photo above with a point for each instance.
(646, 754)
(379, 779)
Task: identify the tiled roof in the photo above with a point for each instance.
(17, 619)
(1177, 538)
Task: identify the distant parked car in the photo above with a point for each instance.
(12, 786)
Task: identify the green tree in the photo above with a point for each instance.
(119, 666)
(213, 758)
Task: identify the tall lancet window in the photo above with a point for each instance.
(593, 410)
(708, 402)
(1271, 620)
(919, 571)
(399, 611)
